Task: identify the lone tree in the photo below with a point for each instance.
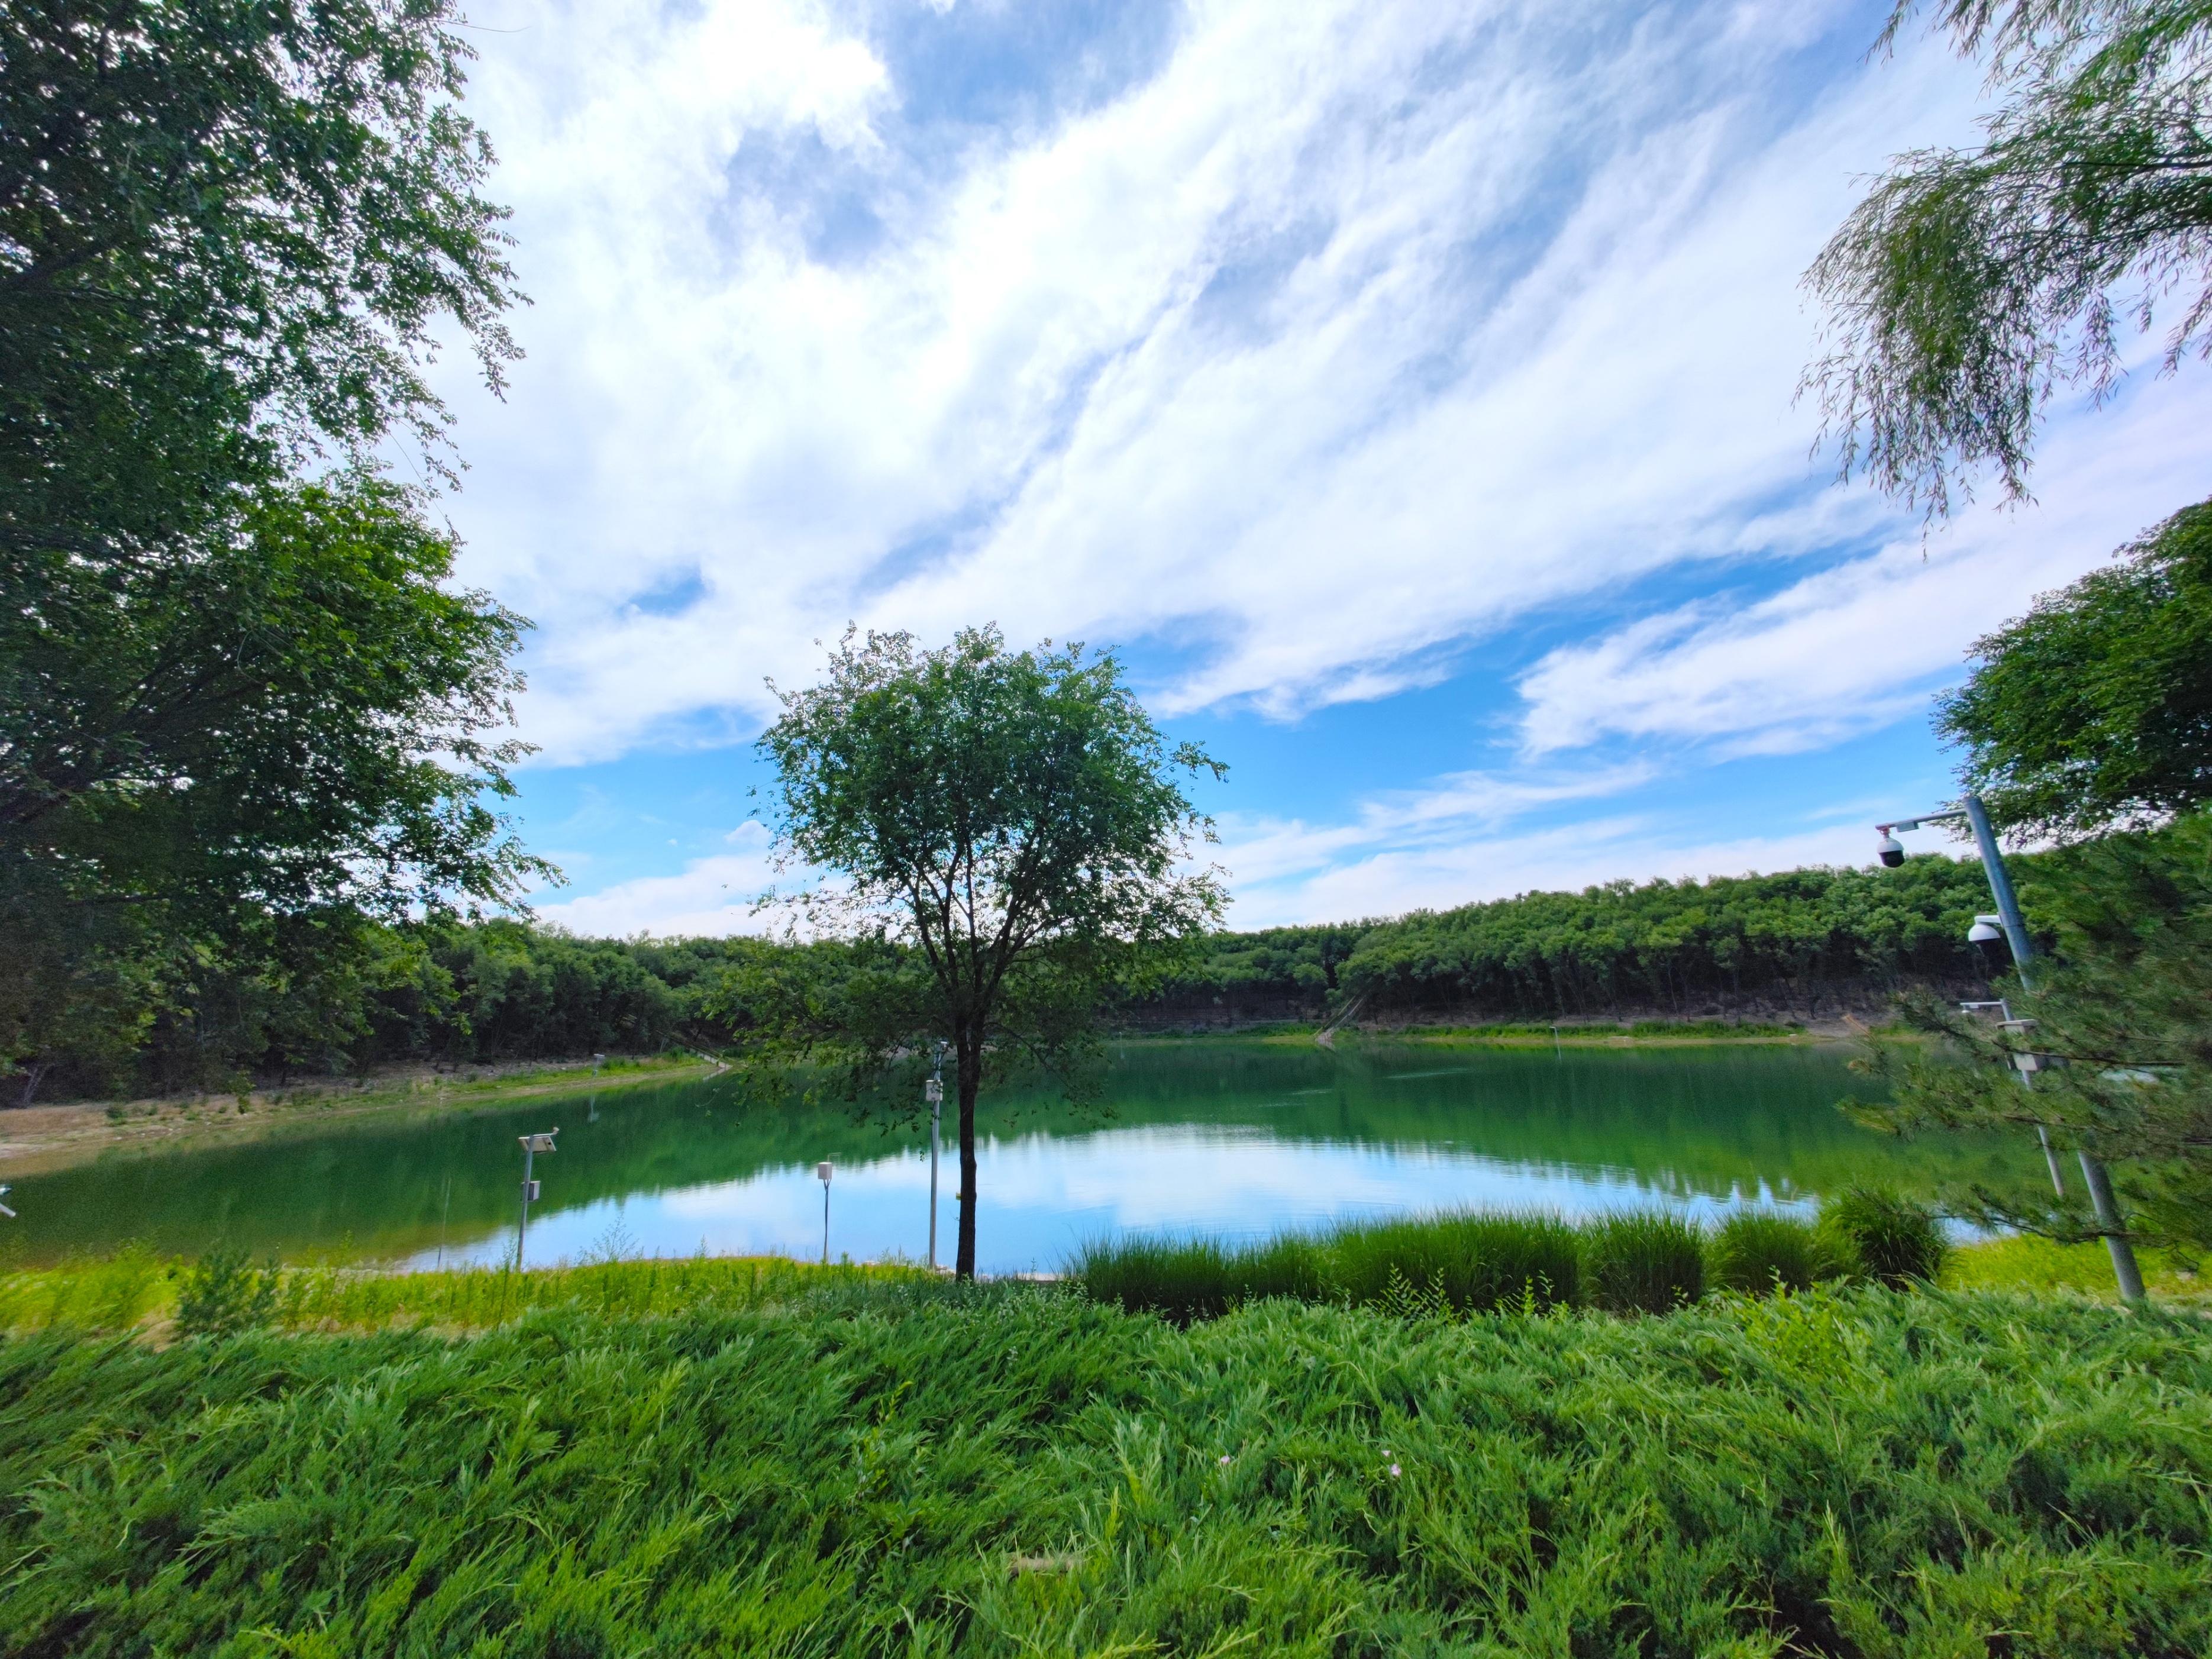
(1970, 285)
(1006, 839)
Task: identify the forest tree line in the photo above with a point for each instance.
(453, 993)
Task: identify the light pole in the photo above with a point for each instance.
(823, 1171)
(933, 1092)
(531, 1146)
(2014, 926)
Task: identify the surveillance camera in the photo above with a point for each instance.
(1892, 850)
(1982, 932)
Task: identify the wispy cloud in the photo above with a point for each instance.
(1315, 352)
(1850, 648)
(1342, 333)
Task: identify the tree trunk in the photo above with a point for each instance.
(971, 1068)
(31, 1074)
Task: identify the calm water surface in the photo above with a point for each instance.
(1233, 1139)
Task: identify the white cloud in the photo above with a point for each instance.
(712, 897)
(1353, 332)
(1854, 648)
(1385, 875)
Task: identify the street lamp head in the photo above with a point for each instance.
(822, 1172)
(1891, 849)
(1985, 930)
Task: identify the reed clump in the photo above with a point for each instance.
(1637, 1262)
(1892, 1239)
(1757, 1252)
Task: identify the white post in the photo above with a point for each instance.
(933, 1092)
(823, 1171)
(531, 1146)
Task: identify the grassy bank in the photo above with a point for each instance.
(38, 1137)
(1607, 1034)
(867, 1469)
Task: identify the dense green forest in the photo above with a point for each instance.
(458, 994)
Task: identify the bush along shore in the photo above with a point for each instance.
(705, 1458)
(1650, 1262)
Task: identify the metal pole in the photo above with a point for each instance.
(2125, 1267)
(522, 1232)
(825, 1224)
(2008, 915)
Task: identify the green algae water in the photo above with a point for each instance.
(1235, 1139)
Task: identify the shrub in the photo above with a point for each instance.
(1649, 1262)
(223, 1293)
(1757, 1251)
(1894, 1240)
(1473, 1263)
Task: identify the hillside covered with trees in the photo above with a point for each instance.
(1803, 942)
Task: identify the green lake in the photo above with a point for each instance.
(1223, 1137)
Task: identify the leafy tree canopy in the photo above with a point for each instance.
(297, 723)
(227, 229)
(1970, 285)
(2095, 708)
(1006, 828)
(298, 715)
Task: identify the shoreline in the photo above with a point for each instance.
(38, 1139)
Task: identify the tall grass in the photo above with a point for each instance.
(1471, 1263)
(1891, 1238)
(1023, 1472)
(1757, 1252)
(1645, 1262)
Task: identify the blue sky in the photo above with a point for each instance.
(1407, 391)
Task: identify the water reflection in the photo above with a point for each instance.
(1243, 1138)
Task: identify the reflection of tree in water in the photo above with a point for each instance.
(1683, 1119)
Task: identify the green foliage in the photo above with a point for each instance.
(1758, 1253)
(1468, 1263)
(2095, 708)
(1970, 284)
(1023, 1473)
(1796, 934)
(1007, 832)
(215, 772)
(228, 232)
(1893, 1240)
(1456, 1263)
(1645, 1262)
(224, 1293)
(2122, 1030)
(239, 711)
(318, 995)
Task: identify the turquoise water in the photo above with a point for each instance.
(1231, 1138)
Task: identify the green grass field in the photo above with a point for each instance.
(762, 1457)
(897, 1466)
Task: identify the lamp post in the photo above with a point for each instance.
(822, 1170)
(933, 1092)
(2014, 928)
(531, 1146)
